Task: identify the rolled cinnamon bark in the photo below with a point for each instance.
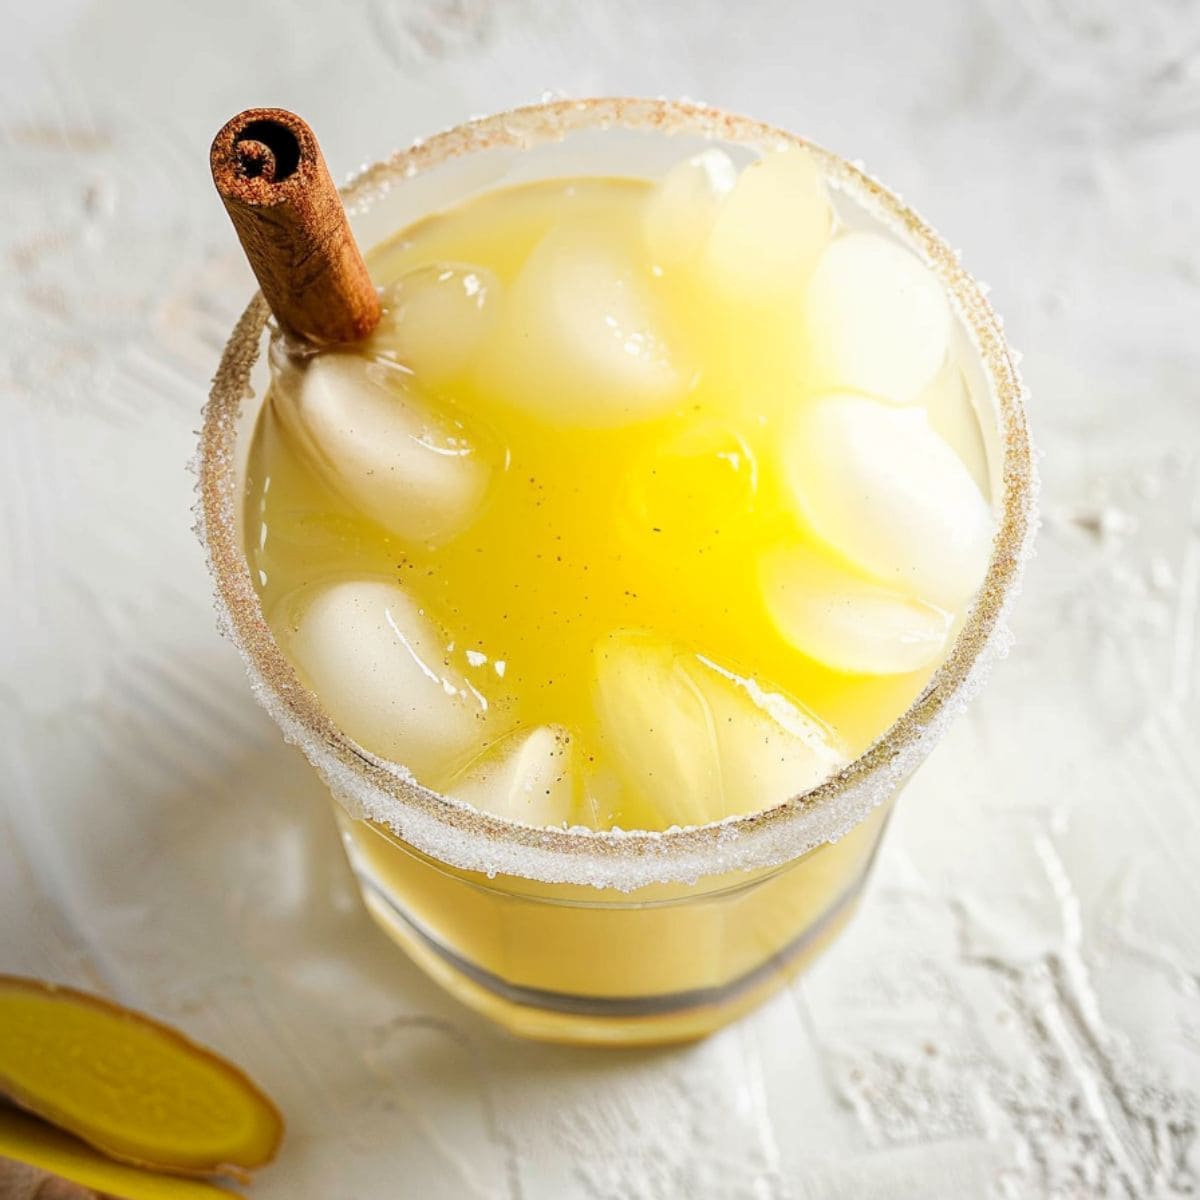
(272, 177)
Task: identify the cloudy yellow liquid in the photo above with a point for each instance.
(656, 525)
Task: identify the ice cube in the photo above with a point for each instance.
(693, 742)
(951, 413)
(878, 319)
(768, 747)
(880, 486)
(658, 729)
(436, 319)
(683, 206)
(581, 340)
(845, 621)
(770, 230)
(381, 444)
(374, 660)
(531, 776)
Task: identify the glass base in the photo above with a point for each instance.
(614, 1020)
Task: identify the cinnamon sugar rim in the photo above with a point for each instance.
(464, 837)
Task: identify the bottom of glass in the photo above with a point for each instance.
(647, 1020)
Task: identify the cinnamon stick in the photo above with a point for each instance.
(272, 177)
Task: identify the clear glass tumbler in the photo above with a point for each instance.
(611, 937)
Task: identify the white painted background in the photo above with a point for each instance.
(1016, 1013)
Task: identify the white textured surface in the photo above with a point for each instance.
(1016, 1013)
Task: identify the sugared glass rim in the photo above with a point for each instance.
(464, 837)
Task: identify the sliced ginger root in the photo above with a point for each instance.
(136, 1090)
(28, 1140)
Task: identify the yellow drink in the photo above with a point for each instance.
(571, 539)
(655, 528)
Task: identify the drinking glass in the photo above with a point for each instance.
(611, 936)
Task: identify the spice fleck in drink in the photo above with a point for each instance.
(648, 504)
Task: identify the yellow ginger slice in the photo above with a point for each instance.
(136, 1090)
(26, 1139)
